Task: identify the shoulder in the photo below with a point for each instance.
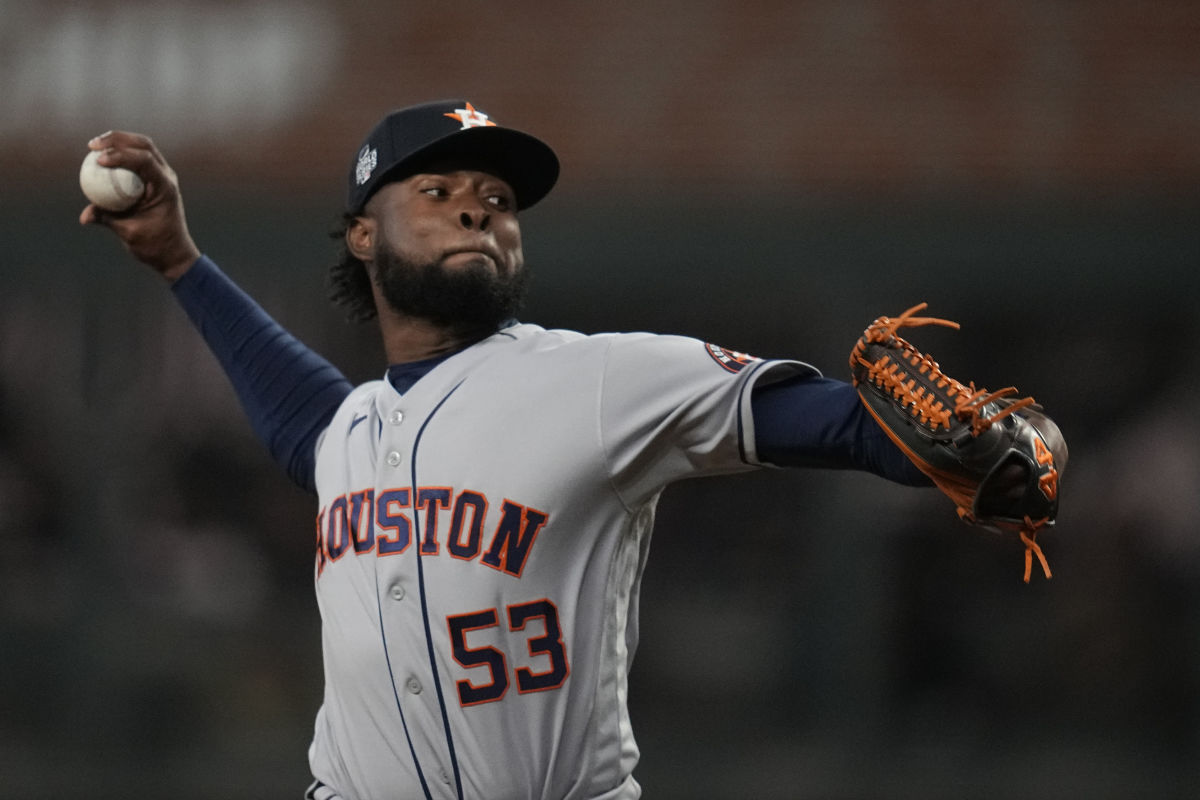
(355, 408)
(363, 394)
(671, 352)
(594, 349)
(527, 340)
(529, 334)
(535, 337)
(648, 352)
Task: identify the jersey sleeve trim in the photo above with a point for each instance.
(761, 374)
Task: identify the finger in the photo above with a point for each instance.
(93, 214)
(101, 142)
(127, 157)
(147, 165)
(128, 150)
(120, 140)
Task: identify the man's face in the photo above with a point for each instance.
(448, 248)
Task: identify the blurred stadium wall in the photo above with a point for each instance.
(768, 175)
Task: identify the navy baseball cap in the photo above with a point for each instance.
(409, 138)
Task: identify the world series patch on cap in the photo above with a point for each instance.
(453, 130)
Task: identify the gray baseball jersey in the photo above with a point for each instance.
(480, 544)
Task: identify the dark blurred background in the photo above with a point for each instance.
(767, 175)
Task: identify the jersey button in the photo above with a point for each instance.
(396, 417)
(413, 685)
(397, 592)
(393, 459)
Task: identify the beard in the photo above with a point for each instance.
(473, 299)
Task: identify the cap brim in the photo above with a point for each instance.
(524, 162)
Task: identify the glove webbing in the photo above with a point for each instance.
(928, 409)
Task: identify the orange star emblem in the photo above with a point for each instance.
(471, 118)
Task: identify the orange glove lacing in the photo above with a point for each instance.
(932, 412)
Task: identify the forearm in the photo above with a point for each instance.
(288, 392)
(819, 422)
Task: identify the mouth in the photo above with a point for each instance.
(473, 253)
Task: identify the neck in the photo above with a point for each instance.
(407, 339)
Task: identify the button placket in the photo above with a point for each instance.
(394, 458)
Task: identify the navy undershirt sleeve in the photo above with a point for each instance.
(807, 421)
(289, 392)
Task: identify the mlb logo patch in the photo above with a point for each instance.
(730, 360)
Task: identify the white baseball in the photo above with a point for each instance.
(111, 188)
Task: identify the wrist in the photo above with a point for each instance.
(176, 267)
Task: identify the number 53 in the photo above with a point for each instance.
(549, 645)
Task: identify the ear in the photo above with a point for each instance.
(360, 238)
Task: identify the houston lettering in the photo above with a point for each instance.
(454, 523)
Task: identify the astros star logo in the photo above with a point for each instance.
(470, 118)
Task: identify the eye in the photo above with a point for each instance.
(434, 191)
(500, 201)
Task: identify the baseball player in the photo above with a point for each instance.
(484, 508)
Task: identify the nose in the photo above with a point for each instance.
(475, 217)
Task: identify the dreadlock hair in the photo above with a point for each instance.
(349, 283)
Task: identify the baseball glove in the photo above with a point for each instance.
(998, 457)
